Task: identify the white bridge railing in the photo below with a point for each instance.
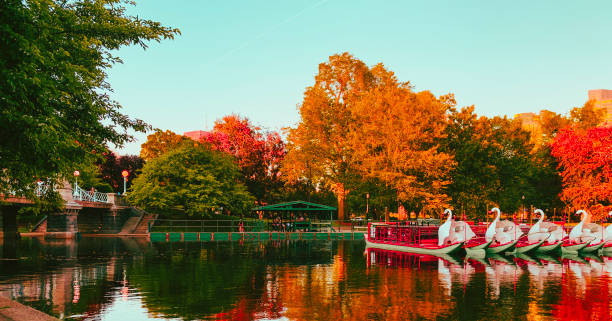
(78, 194)
(42, 188)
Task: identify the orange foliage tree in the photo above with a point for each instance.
(360, 123)
(395, 135)
(318, 150)
(585, 161)
(159, 143)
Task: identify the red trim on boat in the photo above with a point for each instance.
(425, 244)
(498, 245)
(596, 244)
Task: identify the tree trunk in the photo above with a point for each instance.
(341, 195)
(341, 204)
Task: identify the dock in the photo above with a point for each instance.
(251, 236)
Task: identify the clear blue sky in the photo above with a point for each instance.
(255, 58)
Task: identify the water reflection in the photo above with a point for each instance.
(124, 278)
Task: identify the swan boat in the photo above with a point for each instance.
(408, 238)
(459, 231)
(507, 237)
(591, 236)
(552, 233)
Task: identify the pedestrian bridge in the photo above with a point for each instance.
(97, 210)
(70, 194)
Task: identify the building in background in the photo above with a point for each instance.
(603, 100)
(196, 135)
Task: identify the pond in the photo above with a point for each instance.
(133, 279)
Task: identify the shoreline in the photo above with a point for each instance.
(12, 310)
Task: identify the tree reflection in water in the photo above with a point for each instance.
(298, 280)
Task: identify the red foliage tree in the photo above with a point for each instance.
(257, 153)
(112, 166)
(585, 161)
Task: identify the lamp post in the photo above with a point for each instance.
(523, 203)
(367, 204)
(125, 175)
(76, 179)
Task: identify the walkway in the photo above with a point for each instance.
(14, 311)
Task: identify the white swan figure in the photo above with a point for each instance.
(461, 232)
(537, 226)
(458, 231)
(608, 236)
(503, 231)
(538, 230)
(576, 232)
(534, 234)
(493, 226)
(444, 229)
(586, 231)
(510, 230)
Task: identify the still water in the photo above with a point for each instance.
(132, 279)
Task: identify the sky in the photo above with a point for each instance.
(256, 58)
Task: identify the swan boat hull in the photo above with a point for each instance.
(501, 248)
(607, 249)
(574, 248)
(529, 247)
(478, 250)
(479, 247)
(592, 248)
(446, 250)
(548, 248)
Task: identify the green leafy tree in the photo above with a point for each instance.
(494, 164)
(56, 110)
(191, 180)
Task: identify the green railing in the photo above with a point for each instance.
(253, 225)
(164, 225)
(250, 225)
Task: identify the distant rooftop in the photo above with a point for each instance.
(196, 135)
(600, 94)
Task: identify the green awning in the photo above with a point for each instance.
(295, 206)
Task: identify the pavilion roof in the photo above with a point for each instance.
(295, 206)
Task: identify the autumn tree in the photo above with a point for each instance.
(159, 143)
(257, 153)
(585, 161)
(56, 108)
(587, 116)
(192, 180)
(318, 149)
(395, 135)
(551, 123)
